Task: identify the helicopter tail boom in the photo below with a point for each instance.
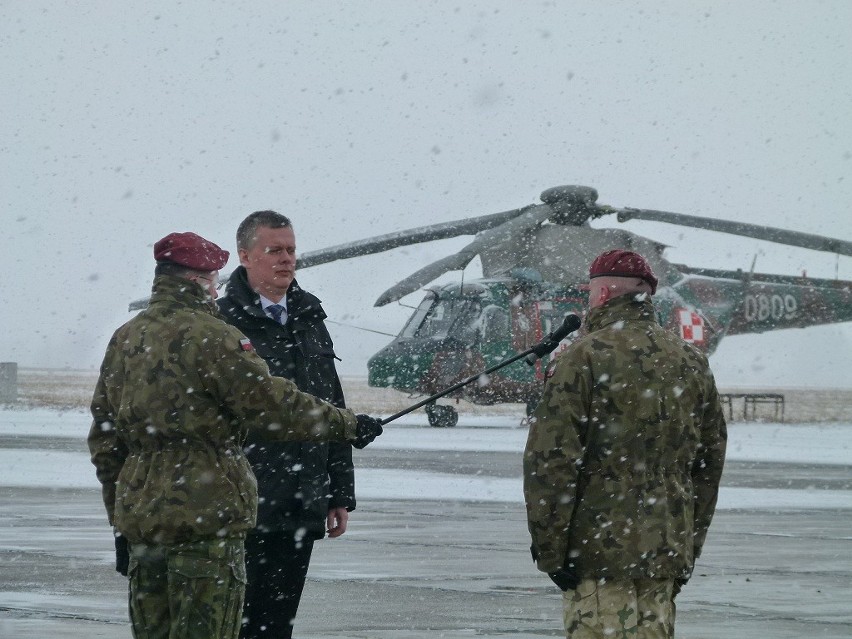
(771, 302)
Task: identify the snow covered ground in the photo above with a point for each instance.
(782, 443)
(438, 544)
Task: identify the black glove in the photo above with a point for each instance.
(678, 586)
(565, 578)
(122, 554)
(367, 430)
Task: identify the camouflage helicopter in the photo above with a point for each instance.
(534, 262)
(535, 269)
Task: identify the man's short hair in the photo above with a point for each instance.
(247, 230)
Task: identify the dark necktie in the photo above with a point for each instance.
(277, 311)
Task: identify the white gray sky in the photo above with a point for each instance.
(123, 122)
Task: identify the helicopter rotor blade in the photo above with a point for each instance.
(768, 233)
(425, 275)
(569, 204)
(530, 217)
(369, 246)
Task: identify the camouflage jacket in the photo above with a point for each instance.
(177, 394)
(625, 451)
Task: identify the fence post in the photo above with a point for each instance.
(8, 382)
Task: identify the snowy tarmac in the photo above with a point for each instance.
(438, 545)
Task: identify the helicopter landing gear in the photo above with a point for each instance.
(441, 416)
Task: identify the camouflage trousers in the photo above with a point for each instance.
(620, 609)
(187, 591)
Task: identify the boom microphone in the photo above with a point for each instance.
(570, 324)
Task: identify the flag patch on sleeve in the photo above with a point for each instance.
(245, 344)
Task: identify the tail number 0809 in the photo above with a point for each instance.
(764, 307)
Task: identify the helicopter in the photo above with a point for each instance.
(535, 271)
(535, 263)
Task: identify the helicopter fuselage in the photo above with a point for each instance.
(460, 329)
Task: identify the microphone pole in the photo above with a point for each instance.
(570, 324)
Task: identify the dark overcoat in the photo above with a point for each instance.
(297, 482)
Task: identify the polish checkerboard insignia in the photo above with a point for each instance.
(691, 326)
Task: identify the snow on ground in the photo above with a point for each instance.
(820, 444)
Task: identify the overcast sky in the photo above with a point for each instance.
(122, 122)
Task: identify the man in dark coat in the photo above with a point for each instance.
(306, 489)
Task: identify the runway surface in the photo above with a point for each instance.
(456, 566)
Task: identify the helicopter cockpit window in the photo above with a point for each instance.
(452, 317)
(414, 322)
(494, 323)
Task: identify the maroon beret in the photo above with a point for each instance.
(621, 263)
(190, 250)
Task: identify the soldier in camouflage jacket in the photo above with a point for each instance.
(623, 460)
(178, 391)
(172, 407)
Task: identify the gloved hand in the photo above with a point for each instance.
(122, 554)
(565, 578)
(367, 430)
(678, 586)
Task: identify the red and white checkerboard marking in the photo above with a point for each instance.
(691, 326)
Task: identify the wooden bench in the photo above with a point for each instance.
(751, 402)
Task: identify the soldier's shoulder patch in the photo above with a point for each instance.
(245, 344)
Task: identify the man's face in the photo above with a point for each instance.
(270, 261)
